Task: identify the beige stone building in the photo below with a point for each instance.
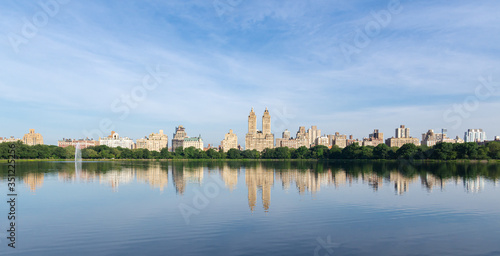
(155, 142)
(351, 141)
(182, 140)
(323, 141)
(337, 139)
(259, 140)
(430, 138)
(374, 139)
(83, 143)
(286, 140)
(33, 138)
(230, 141)
(9, 140)
(312, 134)
(402, 137)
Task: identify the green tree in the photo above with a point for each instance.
(319, 152)
(301, 153)
(407, 151)
(89, 154)
(233, 154)
(381, 151)
(269, 153)
(282, 153)
(212, 154)
(335, 152)
(494, 149)
(443, 151)
(467, 150)
(251, 154)
(352, 151)
(366, 152)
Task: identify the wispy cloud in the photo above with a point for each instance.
(262, 53)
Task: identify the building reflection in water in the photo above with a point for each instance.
(181, 174)
(473, 185)
(34, 180)
(229, 176)
(154, 176)
(259, 178)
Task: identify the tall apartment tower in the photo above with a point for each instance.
(266, 122)
(402, 132)
(475, 135)
(259, 140)
(252, 122)
(313, 133)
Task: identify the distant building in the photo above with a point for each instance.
(497, 138)
(430, 138)
(323, 141)
(230, 141)
(84, 143)
(286, 140)
(339, 140)
(475, 135)
(9, 140)
(374, 139)
(182, 140)
(259, 140)
(114, 140)
(155, 142)
(302, 138)
(402, 137)
(33, 138)
(351, 141)
(313, 134)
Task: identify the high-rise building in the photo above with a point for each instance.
(313, 133)
(33, 138)
(259, 140)
(114, 140)
(374, 139)
(82, 143)
(302, 137)
(230, 141)
(402, 137)
(182, 140)
(402, 132)
(323, 141)
(339, 140)
(475, 135)
(155, 142)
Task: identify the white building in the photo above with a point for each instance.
(475, 135)
(114, 140)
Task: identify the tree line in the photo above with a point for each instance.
(441, 151)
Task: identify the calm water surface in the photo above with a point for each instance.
(252, 208)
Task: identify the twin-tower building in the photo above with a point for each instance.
(256, 139)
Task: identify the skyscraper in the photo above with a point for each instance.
(259, 140)
(475, 135)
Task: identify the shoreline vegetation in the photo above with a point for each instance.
(441, 152)
(486, 161)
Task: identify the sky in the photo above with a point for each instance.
(75, 69)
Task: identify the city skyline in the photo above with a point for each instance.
(310, 138)
(203, 66)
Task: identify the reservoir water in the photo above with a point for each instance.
(253, 208)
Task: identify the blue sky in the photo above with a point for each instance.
(215, 60)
